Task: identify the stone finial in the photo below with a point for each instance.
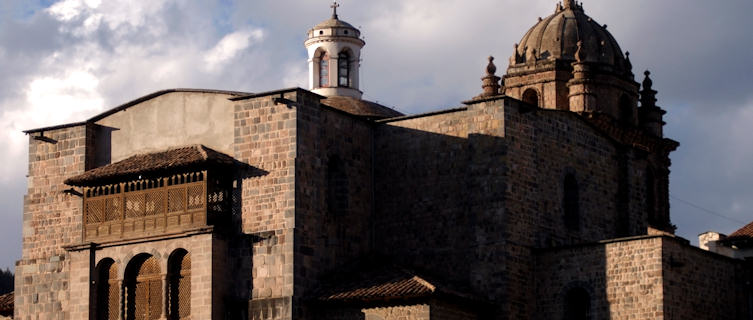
(648, 94)
(628, 65)
(334, 7)
(491, 69)
(515, 58)
(647, 82)
(490, 83)
(580, 54)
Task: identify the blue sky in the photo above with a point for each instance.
(63, 61)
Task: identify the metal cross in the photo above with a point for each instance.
(334, 7)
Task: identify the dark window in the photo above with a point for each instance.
(570, 202)
(530, 96)
(324, 70)
(108, 291)
(626, 110)
(179, 285)
(651, 196)
(143, 288)
(343, 66)
(577, 305)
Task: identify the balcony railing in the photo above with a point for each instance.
(152, 206)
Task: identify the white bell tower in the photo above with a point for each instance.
(334, 48)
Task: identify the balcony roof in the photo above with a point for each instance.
(161, 163)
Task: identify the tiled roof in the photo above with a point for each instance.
(360, 107)
(171, 160)
(377, 283)
(6, 304)
(744, 232)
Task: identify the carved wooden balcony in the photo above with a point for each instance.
(155, 194)
(152, 207)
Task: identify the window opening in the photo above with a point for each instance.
(324, 70)
(343, 62)
(570, 202)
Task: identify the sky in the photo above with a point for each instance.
(65, 61)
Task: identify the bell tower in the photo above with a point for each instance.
(334, 50)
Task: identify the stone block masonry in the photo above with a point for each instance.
(51, 220)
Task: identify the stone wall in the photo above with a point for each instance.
(703, 285)
(648, 277)
(51, 220)
(265, 138)
(409, 312)
(333, 192)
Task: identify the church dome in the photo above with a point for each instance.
(556, 38)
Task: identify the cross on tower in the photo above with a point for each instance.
(334, 7)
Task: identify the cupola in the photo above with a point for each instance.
(334, 50)
(568, 61)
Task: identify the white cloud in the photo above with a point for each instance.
(230, 46)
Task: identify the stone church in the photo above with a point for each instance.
(544, 197)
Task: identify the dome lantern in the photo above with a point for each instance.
(334, 51)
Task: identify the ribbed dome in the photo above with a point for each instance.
(557, 36)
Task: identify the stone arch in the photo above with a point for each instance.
(143, 288)
(107, 290)
(577, 304)
(530, 96)
(571, 201)
(179, 284)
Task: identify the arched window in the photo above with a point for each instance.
(324, 70)
(651, 196)
(107, 291)
(570, 202)
(626, 110)
(179, 285)
(530, 96)
(143, 288)
(343, 69)
(577, 304)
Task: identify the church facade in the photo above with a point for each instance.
(543, 197)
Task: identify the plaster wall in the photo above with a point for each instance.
(167, 121)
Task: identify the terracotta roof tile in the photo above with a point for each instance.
(6, 304)
(152, 163)
(366, 282)
(361, 107)
(744, 232)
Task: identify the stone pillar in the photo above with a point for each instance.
(582, 92)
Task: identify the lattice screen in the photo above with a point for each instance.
(95, 211)
(147, 297)
(112, 209)
(176, 200)
(154, 203)
(180, 287)
(135, 204)
(196, 197)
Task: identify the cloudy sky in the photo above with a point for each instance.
(64, 61)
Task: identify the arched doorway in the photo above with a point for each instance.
(530, 96)
(107, 291)
(577, 304)
(143, 288)
(179, 285)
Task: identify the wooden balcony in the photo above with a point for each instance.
(153, 206)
